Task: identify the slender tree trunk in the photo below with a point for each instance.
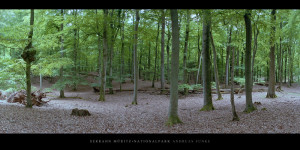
(103, 65)
(248, 78)
(149, 61)
(237, 73)
(227, 59)
(285, 66)
(122, 50)
(28, 85)
(271, 88)
(199, 56)
(134, 101)
(74, 88)
(186, 41)
(140, 60)
(168, 56)
(173, 107)
(206, 65)
(28, 56)
(162, 53)
(61, 92)
(216, 68)
(290, 65)
(155, 61)
(254, 49)
(234, 114)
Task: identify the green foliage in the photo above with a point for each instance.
(12, 73)
(181, 87)
(241, 81)
(69, 81)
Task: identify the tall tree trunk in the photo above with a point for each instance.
(149, 61)
(168, 56)
(122, 50)
(155, 61)
(248, 78)
(216, 68)
(103, 65)
(234, 114)
(134, 101)
(186, 41)
(28, 56)
(271, 88)
(74, 88)
(285, 66)
(140, 60)
(99, 48)
(254, 49)
(237, 72)
(227, 58)
(206, 64)
(162, 52)
(290, 65)
(199, 55)
(173, 107)
(61, 92)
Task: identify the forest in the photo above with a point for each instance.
(149, 71)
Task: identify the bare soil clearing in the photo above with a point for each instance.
(117, 115)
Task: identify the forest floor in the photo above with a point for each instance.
(117, 115)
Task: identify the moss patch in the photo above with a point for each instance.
(250, 109)
(173, 120)
(207, 107)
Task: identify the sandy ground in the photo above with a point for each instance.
(117, 115)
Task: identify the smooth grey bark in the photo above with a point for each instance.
(256, 32)
(227, 58)
(104, 59)
(168, 56)
(216, 68)
(98, 34)
(155, 60)
(186, 41)
(234, 114)
(248, 78)
(61, 92)
(134, 101)
(271, 87)
(162, 53)
(122, 49)
(206, 64)
(199, 56)
(149, 61)
(74, 88)
(173, 107)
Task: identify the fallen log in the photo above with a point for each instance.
(20, 97)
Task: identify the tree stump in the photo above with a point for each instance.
(80, 112)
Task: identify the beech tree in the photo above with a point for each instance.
(61, 91)
(271, 87)
(134, 101)
(162, 52)
(103, 64)
(206, 72)
(28, 56)
(173, 107)
(234, 114)
(248, 78)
